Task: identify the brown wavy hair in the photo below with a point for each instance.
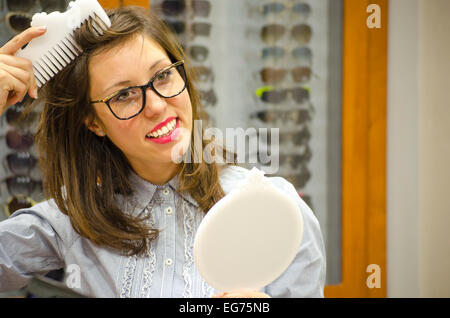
(82, 172)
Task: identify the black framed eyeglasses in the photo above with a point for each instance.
(130, 102)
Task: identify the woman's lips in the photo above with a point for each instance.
(170, 137)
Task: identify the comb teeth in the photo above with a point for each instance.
(55, 59)
(53, 51)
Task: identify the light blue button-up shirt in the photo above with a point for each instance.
(41, 239)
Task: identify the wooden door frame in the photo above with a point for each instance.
(363, 151)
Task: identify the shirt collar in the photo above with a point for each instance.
(144, 191)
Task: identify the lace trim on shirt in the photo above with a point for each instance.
(127, 280)
(188, 225)
(150, 261)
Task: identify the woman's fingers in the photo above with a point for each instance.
(22, 69)
(13, 45)
(12, 90)
(16, 74)
(21, 75)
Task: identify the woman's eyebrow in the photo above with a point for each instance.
(122, 83)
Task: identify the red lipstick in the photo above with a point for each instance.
(162, 124)
(166, 139)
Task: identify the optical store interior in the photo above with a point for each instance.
(357, 92)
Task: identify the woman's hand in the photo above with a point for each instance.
(16, 73)
(252, 294)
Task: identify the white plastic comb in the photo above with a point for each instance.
(54, 50)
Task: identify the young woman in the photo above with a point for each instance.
(121, 211)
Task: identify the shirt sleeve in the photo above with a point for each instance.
(305, 277)
(28, 246)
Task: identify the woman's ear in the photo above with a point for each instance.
(94, 126)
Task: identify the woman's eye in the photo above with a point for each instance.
(163, 75)
(125, 96)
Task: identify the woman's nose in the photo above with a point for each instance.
(154, 104)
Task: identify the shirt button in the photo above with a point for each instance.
(168, 210)
(169, 262)
(166, 191)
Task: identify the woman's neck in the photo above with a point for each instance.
(158, 174)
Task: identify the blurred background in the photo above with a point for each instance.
(358, 91)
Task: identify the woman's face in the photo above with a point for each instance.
(134, 63)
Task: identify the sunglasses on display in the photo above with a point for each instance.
(277, 96)
(18, 22)
(272, 33)
(204, 73)
(42, 5)
(16, 203)
(198, 53)
(177, 26)
(294, 117)
(270, 75)
(197, 28)
(274, 8)
(19, 141)
(208, 97)
(301, 54)
(20, 163)
(22, 185)
(298, 138)
(294, 160)
(20, 12)
(200, 8)
(15, 117)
